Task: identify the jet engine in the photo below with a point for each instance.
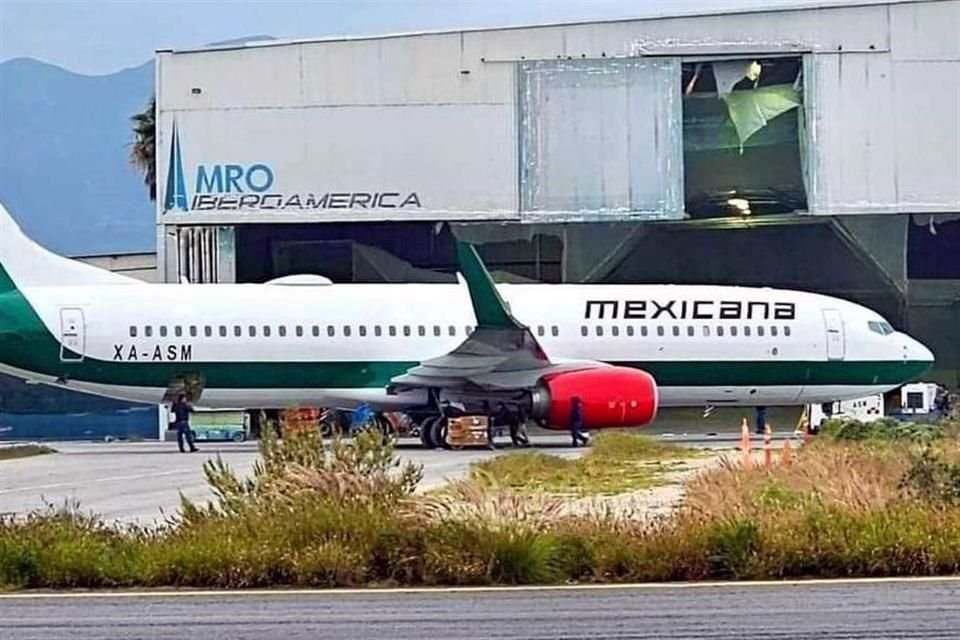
(610, 396)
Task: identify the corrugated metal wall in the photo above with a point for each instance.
(441, 114)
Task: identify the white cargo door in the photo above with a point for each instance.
(72, 335)
(833, 323)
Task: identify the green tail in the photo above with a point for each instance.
(489, 307)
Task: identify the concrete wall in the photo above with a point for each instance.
(440, 115)
(142, 266)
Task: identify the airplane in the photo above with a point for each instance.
(300, 340)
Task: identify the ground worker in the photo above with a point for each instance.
(576, 423)
(761, 420)
(518, 435)
(181, 422)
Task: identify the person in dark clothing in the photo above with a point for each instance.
(576, 422)
(518, 435)
(485, 408)
(762, 420)
(181, 422)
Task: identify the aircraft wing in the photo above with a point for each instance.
(501, 354)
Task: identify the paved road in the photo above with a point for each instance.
(853, 610)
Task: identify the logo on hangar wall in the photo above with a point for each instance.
(232, 187)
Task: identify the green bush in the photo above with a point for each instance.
(346, 516)
(882, 430)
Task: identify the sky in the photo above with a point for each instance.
(103, 36)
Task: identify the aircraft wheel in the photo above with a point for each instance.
(438, 429)
(426, 433)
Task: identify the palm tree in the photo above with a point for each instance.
(144, 150)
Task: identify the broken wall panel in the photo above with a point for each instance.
(600, 137)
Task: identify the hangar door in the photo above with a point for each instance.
(601, 138)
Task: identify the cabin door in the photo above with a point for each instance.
(833, 323)
(72, 335)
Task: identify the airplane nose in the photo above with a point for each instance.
(916, 351)
(923, 353)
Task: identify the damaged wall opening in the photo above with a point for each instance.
(744, 137)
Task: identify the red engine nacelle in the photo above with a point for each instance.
(611, 397)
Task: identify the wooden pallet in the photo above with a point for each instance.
(467, 431)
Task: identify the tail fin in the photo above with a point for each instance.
(24, 263)
(491, 311)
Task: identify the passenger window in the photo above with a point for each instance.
(676, 332)
(452, 330)
(786, 331)
(223, 331)
(421, 331)
(643, 331)
(436, 330)
(237, 331)
(773, 331)
(760, 331)
(406, 331)
(178, 331)
(555, 331)
(660, 331)
(720, 331)
(253, 331)
(363, 330)
(746, 330)
(615, 330)
(733, 331)
(282, 330)
(163, 331)
(299, 331)
(315, 330)
(630, 330)
(133, 332)
(393, 331)
(706, 331)
(331, 331)
(193, 331)
(266, 331)
(690, 331)
(540, 331)
(583, 330)
(346, 330)
(377, 330)
(599, 330)
(208, 331)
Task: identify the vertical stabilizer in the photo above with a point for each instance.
(24, 263)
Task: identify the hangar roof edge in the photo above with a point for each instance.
(788, 5)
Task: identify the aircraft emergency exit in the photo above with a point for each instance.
(625, 350)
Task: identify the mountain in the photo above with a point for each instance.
(64, 147)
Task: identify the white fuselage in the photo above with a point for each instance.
(271, 345)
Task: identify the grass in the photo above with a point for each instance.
(23, 451)
(348, 516)
(616, 462)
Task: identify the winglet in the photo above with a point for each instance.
(489, 307)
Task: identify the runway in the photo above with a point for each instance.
(868, 610)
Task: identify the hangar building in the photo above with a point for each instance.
(814, 148)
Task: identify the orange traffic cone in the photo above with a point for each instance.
(786, 455)
(767, 450)
(745, 443)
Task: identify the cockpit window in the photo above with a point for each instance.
(883, 328)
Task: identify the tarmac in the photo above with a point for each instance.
(141, 482)
(855, 609)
